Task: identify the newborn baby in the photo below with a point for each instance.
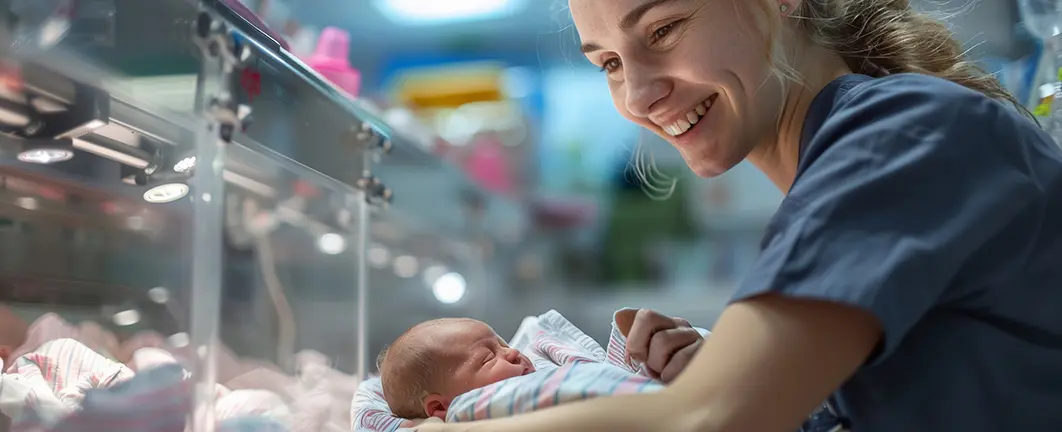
(434, 362)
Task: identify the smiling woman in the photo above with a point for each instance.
(909, 277)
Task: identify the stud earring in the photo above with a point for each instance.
(784, 7)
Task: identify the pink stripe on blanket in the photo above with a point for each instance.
(549, 388)
(483, 403)
(630, 385)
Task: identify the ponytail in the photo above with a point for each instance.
(881, 37)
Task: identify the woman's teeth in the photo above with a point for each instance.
(682, 125)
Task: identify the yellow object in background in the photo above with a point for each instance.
(450, 86)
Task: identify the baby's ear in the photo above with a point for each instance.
(435, 405)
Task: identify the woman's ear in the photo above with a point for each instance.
(435, 405)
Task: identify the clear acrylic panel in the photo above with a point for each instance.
(186, 197)
(418, 273)
(290, 306)
(97, 228)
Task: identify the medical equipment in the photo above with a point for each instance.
(171, 179)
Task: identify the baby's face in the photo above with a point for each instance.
(475, 357)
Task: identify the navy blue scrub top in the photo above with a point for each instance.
(939, 210)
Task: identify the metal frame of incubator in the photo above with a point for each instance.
(225, 42)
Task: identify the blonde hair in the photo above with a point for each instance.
(873, 37)
(881, 37)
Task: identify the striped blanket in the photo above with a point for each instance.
(572, 382)
(570, 366)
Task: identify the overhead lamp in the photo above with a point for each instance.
(166, 193)
(43, 151)
(440, 12)
(46, 156)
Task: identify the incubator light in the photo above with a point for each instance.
(126, 318)
(433, 273)
(185, 165)
(406, 266)
(27, 203)
(135, 223)
(331, 244)
(449, 289)
(179, 340)
(378, 256)
(159, 295)
(166, 193)
(46, 156)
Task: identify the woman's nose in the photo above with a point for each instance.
(643, 90)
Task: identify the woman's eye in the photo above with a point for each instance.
(610, 65)
(662, 33)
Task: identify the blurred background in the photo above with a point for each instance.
(499, 89)
(514, 179)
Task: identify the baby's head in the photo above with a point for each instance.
(436, 361)
(12, 334)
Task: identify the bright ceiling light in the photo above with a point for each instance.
(446, 11)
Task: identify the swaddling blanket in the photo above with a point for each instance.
(569, 366)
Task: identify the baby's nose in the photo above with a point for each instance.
(511, 355)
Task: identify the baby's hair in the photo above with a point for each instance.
(13, 335)
(407, 372)
(380, 359)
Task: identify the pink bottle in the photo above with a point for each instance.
(488, 166)
(331, 60)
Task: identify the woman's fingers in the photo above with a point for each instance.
(665, 344)
(646, 323)
(681, 322)
(679, 360)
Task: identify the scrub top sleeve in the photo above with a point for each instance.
(895, 197)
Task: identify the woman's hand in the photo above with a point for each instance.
(663, 344)
(435, 424)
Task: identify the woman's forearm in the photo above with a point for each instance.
(634, 413)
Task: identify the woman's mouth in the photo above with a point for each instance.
(694, 116)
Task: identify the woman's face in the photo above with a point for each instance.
(695, 72)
